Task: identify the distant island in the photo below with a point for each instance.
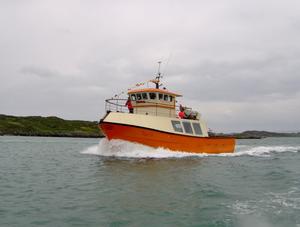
(57, 127)
(47, 126)
(258, 134)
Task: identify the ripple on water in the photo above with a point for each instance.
(49, 182)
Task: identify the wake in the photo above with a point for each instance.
(124, 149)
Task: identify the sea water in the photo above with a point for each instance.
(94, 182)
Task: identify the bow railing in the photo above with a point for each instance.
(119, 105)
(116, 105)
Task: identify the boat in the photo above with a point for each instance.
(154, 121)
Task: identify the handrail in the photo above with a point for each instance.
(118, 105)
(113, 103)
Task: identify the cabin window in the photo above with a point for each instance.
(133, 98)
(187, 127)
(152, 95)
(160, 96)
(171, 98)
(166, 97)
(145, 96)
(138, 96)
(177, 126)
(197, 128)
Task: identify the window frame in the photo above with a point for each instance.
(145, 95)
(175, 123)
(196, 129)
(152, 93)
(133, 97)
(184, 124)
(160, 96)
(139, 95)
(166, 98)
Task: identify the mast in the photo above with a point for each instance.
(157, 79)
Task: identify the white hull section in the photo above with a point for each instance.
(163, 124)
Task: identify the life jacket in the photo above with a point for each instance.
(128, 104)
(181, 114)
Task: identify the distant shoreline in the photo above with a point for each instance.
(254, 134)
(57, 127)
(55, 136)
(48, 127)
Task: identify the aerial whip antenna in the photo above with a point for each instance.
(158, 76)
(165, 68)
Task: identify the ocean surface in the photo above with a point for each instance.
(93, 182)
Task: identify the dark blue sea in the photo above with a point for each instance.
(93, 182)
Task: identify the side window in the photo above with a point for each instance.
(152, 95)
(187, 127)
(133, 98)
(171, 98)
(138, 96)
(166, 97)
(197, 129)
(177, 126)
(145, 96)
(160, 96)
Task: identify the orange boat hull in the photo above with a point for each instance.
(175, 142)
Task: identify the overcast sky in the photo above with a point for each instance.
(236, 61)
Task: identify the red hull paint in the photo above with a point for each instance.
(153, 138)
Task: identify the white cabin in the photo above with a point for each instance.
(154, 101)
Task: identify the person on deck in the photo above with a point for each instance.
(181, 113)
(129, 105)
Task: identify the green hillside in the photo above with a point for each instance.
(54, 126)
(259, 134)
(264, 134)
(47, 126)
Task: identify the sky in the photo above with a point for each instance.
(237, 62)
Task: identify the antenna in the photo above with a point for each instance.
(158, 68)
(165, 68)
(159, 76)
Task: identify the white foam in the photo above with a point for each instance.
(266, 151)
(120, 148)
(272, 202)
(124, 149)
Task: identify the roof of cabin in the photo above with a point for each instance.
(153, 90)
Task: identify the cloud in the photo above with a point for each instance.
(39, 71)
(233, 60)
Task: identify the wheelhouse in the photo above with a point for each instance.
(153, 101)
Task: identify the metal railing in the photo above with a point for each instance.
(118, 105)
